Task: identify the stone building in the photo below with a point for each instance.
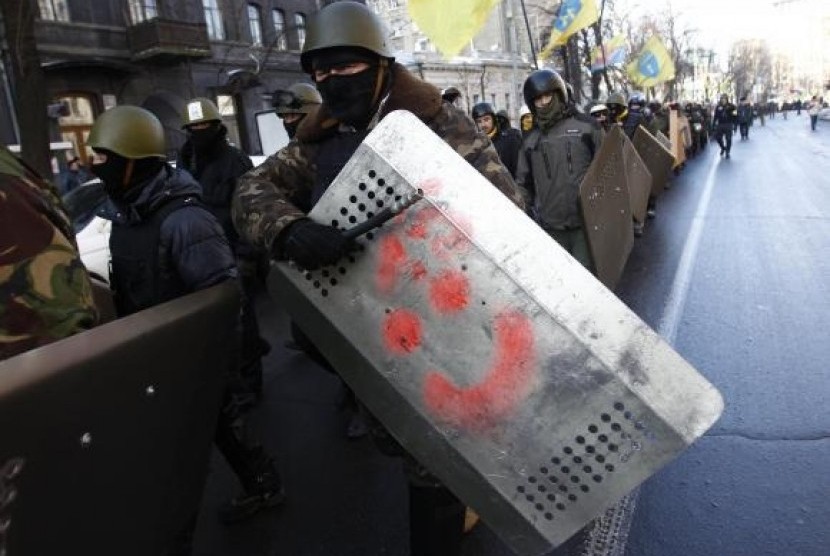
(158, 53)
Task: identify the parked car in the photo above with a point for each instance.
(824, 114)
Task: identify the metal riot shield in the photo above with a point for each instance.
(656, 157)
(105, 436)
(489, 352)
(663, 140)
(637, 178)
(678, 141)
(605, 201)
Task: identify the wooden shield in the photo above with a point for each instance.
(678, 144)
(606, 209)
(657, 158)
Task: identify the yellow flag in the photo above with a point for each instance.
(653, 64)
(573, 15)
(612, 53)
(450, 24)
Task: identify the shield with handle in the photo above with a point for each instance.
(488, 352)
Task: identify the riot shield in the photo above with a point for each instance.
(637, 179)
(491, 354)
(663, 140)
(106, 435)
(605, 201)
(656, 157)
(678, 141)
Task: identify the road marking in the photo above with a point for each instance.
(683, 276)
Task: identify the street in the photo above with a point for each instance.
(732, 272)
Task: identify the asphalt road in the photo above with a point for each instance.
(733, 272)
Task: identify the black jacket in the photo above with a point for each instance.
(725, 114)
(216, 169)
(508, 143)
(164, 244)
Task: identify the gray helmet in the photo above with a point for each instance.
(128, 131)
(200, 110)
(344, 24)
(299, 98)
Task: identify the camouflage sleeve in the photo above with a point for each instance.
(459, 131)
(45, 294)
(265, 199)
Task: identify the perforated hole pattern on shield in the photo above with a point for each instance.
(583, 465)
(369, 196)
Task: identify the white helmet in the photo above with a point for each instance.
(597, 108)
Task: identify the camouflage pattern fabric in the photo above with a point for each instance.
(266, 198)
(45, 294)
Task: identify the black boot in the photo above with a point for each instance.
(263, 489)
(436, 522)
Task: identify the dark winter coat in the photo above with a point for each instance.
(217, 170)
(508, 143)
(552, 164)
(165, 244)
(725, 114)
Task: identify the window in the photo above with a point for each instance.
(75, 126)
(279, 30)
(142, 10)
(255, 23)
(213, 19)
(299, 21)
(54, 10)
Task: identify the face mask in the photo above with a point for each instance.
(291, 128)
(349, 98)
(112, 174)
(550, 114)
(204, 138)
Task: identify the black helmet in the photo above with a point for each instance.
(450, 94)
(299, 98)
(483, 109)
(541, 82)
(344, 24)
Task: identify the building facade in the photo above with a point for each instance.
(159, 53)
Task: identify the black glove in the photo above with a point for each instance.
(313, 245)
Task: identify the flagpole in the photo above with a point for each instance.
(529, 35)
(602, 48)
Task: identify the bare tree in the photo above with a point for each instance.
(750, 63)
(29, 82)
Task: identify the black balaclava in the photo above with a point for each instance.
(353, 99)
(291, 128)
(549, 115)
(121, 178)
(205, 139)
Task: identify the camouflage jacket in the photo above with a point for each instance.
(45, 294)
(269, 197)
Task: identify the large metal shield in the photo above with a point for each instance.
(105, 436)
(637, 179)
(491, 354)
(606, 209)
(657, 158)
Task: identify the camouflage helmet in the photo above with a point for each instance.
(349, 24)
(542, 82)
(483, 109)
(299, 98)
(200, 110)
(128, 131)
(616, 98)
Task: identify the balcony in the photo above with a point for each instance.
(164, 38)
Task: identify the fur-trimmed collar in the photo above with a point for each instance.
(407, 93)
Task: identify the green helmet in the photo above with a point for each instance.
(200, 110)
(616, 98)
(349, 24)
(299, 98)
(128, 131)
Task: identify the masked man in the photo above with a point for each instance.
(347, 56)
(165, 244)
(555, 157)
